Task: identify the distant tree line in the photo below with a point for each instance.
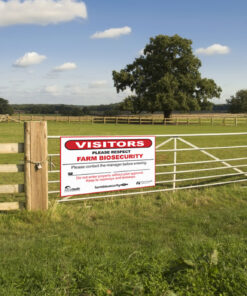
(232, 106)
(220, 108)
(97, 110)
(70, 110)
(236, 104)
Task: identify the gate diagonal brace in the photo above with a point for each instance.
(211, 155)
(163, 143)
(66, 198)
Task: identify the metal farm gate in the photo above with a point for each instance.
(183, 161)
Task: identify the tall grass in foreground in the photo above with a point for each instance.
(187, 243)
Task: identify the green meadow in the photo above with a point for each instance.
(188, 242)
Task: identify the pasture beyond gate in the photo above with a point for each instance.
(183, 161)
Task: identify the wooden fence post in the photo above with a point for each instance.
(36, 171)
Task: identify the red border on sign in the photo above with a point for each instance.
(113, 189)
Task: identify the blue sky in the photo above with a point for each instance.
(64, 51)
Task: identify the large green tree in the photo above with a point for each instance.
(238, 103)
(5, 108)
(166, 77)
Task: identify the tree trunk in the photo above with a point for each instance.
(167, 113)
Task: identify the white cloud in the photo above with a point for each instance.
(77, 90)
(61, 91)
(40, 12)
(53, 90)
(213, 49)
(74, 90)
(65, 67)
(98, 84)
(29, 58)
(112, 33)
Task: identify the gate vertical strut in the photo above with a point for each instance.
(174, 162)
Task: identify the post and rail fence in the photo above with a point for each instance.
(206, 119)
(35, 168)
(206, 165)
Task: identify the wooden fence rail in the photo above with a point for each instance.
(7, 148)
(4, 117)
(12, 148)
(11, 168)
(35, 168)
(212, 119)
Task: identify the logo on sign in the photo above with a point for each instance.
(70, 189)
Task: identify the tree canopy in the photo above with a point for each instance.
(238, 103)
(5, 108)
(166, 77)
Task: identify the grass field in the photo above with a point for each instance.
(184, 243)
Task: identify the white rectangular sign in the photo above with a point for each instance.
(100, 164)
